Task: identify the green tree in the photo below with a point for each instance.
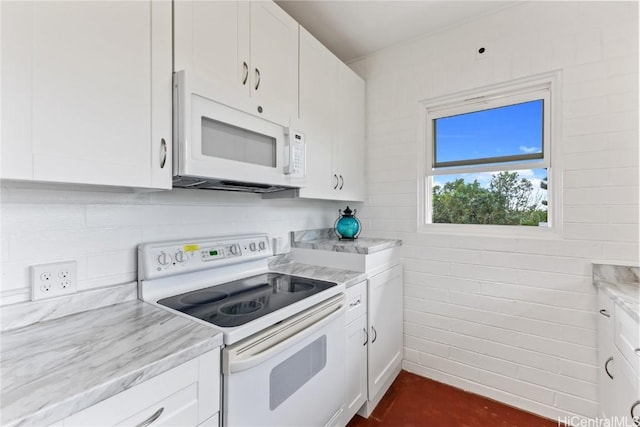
(506, 201)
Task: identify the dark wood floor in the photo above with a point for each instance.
(414, 401)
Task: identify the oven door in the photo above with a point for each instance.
(291, 374)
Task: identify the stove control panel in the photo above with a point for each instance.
(177, 257)
(220, 252)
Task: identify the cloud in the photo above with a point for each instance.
(527, 150)
(526, 173)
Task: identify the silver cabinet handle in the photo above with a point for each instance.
(246, 73)
(366, 336)
(635, 418)
(258, 79)
(606, 367)
(341, 182)
(605, 313)
(152, 418)
(355, 304)
(336, 177)
(163, 155)
(375, 335)
(637, 352)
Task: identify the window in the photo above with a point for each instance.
(487, 157)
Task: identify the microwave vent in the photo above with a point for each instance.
(225, 185)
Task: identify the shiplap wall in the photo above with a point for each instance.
(508, 317)
(101, 229)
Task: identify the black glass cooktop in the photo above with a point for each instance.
(241, 301)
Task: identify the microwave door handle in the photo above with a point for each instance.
(238, 364)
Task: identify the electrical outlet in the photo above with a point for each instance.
(52, 280)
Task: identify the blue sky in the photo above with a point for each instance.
(514, 129)
(511, 130)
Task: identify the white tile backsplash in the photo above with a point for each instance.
(531, 301)
(101, 229)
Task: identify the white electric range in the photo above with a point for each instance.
(283, 335)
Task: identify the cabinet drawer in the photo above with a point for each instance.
(179, 409)
(605, 306)
(176, 397)
(627, 338)
(605, 325)
(356, 301)
(144, 399)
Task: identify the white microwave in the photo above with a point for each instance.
(218, 147)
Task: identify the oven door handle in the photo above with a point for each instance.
(264, 345)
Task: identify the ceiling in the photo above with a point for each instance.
(354, 29)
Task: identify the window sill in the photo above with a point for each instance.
(480, 230)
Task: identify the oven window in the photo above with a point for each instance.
(226, 141)
(290, 375)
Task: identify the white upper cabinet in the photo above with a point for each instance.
(350, 150)
(86, 90)
(274, 57)
(331, 114)
(245, 52)
(318, 114)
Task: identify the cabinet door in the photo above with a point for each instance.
(93, 82)
(274, 59)
(606, 361)
(349, 156)
(356, 367)
(627, 391)
(385, 327)
(317, 113)
(212, 42)
(17, 69)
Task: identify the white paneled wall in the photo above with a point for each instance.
(513, 318)
(101, 230)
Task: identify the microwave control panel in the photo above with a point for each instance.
(295, 154)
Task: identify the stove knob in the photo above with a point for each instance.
(164, 258)
(180, 256)
(252, 246)
(262, 246)
(234, 249)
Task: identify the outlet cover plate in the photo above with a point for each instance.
(52, 280)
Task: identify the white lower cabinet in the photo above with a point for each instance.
(356, 350)
(385, 332)
(188, 395)
(618, 358)
(374, 340)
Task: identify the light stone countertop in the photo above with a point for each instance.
(52, 367)
(348, 278)
(621, 284)
(326, 240)
(55, 368)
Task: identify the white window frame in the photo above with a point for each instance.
(544, 87)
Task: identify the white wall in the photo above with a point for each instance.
(513, 318)
(100, 229)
